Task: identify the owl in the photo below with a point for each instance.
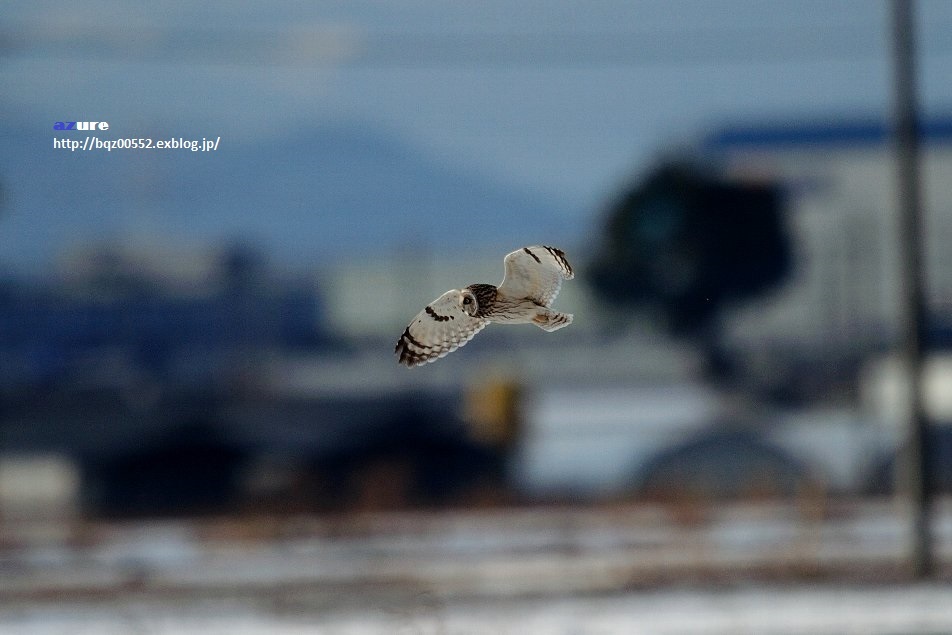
(533, 278)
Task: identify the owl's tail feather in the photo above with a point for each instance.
(549, 320)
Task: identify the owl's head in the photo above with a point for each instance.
(477, 300)
(468, 302)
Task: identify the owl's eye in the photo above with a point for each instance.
(467, 300)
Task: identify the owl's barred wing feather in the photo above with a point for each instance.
(536, 273)
(437, 330)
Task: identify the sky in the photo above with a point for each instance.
(564, 99)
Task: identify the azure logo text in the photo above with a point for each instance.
(81, 125)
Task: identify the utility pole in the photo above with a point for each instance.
(914, 474)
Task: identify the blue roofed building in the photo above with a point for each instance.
(840, 178)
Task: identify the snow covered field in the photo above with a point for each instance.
(621, 569)
(822, 608)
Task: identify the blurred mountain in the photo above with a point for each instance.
(336, 190)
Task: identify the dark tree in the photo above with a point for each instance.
(687, 242)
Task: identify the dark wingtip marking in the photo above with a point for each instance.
(402, 348)
(535, 257)
(559, 255)
(406, 336)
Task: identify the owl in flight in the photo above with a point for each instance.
(533, 278)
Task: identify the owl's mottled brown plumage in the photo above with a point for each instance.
(533, 279)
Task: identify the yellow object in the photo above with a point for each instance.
(493, 411)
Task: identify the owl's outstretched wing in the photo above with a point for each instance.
(437, 330)
(536, 273)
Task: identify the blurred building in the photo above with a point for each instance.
(161, 379)
(840, 176)
(175, 314)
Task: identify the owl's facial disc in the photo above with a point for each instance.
(467, 302)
